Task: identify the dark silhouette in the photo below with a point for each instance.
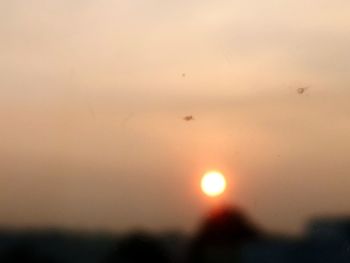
(137, 248)
(223, 232)
(24, 253)
(225, 235)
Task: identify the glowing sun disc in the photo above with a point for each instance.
(213, 183)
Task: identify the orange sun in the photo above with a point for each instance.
(213, 183)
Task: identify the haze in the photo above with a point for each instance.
(92, 96)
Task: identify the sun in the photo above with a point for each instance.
(213, 183)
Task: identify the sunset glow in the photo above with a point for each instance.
(213, 183)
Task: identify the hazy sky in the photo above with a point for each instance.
(92, 95)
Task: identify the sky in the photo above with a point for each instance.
(92, 96)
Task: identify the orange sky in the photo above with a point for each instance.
(92, 95)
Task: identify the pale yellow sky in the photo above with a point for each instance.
(92, 94)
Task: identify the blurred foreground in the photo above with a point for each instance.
(226, 235)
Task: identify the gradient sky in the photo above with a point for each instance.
(92, 95)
